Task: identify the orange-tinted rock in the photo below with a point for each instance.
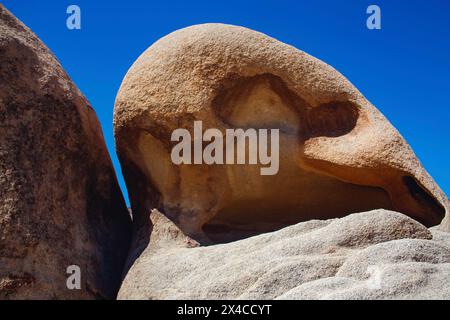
(338, 153)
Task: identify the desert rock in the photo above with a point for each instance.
(60, 203)
(338, 154)
(346, 258)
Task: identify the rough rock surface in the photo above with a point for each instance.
(338, 153)
(372, 255)
(60, 203)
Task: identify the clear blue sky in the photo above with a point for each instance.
(403, 69)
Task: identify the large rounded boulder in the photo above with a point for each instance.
(337, 153)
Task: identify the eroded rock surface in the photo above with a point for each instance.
(338, 154)
(371, 255)
(60, 203)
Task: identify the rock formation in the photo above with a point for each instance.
(212, 234)
(60, 203)
(372, 255)
(338, 154)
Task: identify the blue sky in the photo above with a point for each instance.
(403, 69)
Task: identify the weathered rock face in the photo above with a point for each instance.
(372, 255)
(338, 154)
(60, 203)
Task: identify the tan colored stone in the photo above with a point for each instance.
(60, 203)
(338, 153)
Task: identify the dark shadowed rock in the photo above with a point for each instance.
(60, 203)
